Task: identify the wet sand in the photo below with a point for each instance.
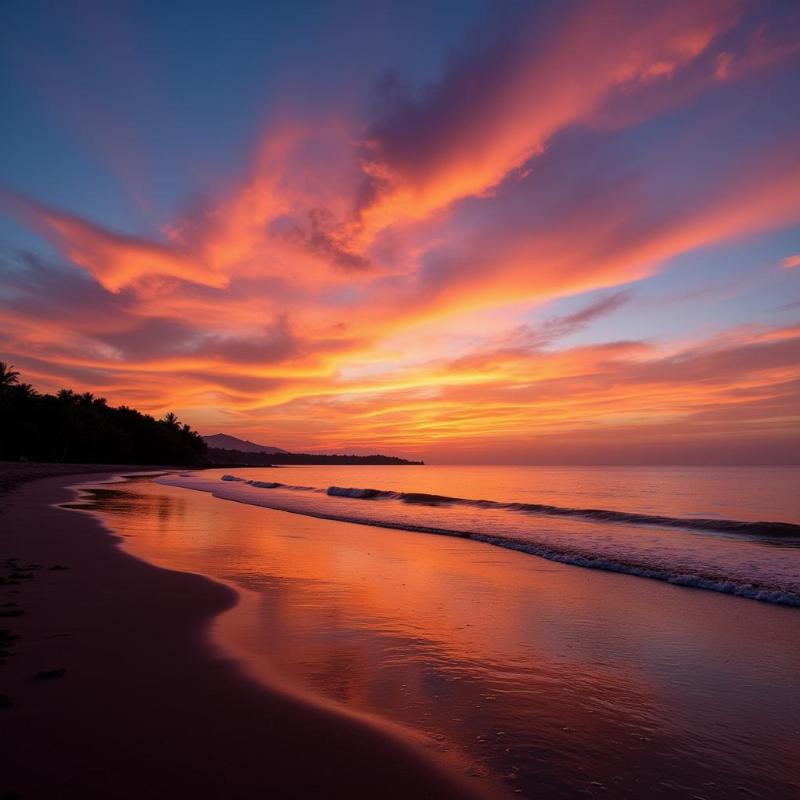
(559, 681)
(146, 706)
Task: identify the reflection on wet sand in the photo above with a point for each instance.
(560, 680)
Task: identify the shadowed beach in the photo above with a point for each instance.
(146, 706)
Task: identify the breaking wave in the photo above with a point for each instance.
(628, 554)
(597, 514)
(698, 580)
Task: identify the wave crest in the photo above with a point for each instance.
(679, 576)
(747, 527)
(359, 494)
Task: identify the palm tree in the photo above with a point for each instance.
(171, 419)
(25, 391)
(8, 375)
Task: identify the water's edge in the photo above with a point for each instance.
(697, 580)
(220, 645)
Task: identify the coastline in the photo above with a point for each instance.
(547, 677)
(146, 707)
(17, 473)
(658, 551)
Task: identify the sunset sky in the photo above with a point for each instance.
(563, 232)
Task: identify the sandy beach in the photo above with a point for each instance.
(172, 643)
(145, 706)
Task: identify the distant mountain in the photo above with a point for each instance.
(221, 457)
(228, 451)
(224, 442)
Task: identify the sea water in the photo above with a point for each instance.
(731, 530)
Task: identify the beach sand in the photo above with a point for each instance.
(146, 706)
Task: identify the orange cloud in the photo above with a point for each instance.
(114, 259)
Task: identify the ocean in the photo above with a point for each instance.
(580, 632)
(732, 530)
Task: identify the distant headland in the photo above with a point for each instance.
(228, 451)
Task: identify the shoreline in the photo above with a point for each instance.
(14, 474)
(146, 707)
(704, 579)
(537, 674)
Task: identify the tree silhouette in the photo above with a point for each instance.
(8, 375)
(83, 428)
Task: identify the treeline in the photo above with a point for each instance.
(82, 428)
(229, 458)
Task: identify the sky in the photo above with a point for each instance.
(470, 232)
